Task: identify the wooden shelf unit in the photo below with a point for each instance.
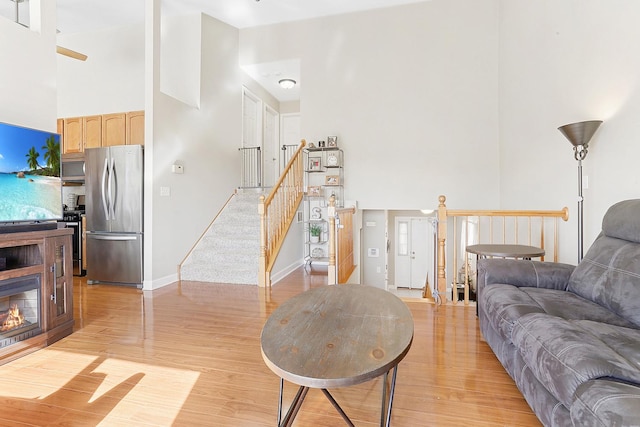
(47, 254)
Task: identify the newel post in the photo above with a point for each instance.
(331, 271)
(442, 235)
(262, 260)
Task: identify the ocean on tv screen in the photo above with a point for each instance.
(32, 198)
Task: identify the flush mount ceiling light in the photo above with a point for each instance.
(287, 83)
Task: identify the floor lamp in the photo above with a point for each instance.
(579, 134)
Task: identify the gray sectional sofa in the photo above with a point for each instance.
(570, 336)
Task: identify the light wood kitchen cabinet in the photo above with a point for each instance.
(135, 128)
(60, 129)
(92, 126)
(73, 134)
(114, 129)
(101, 130)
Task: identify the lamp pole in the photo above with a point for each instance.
(579, 134)
(579, 156)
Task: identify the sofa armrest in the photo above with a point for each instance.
(536, 274)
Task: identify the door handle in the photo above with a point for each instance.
(103, 190)
(112, 183)
(112, 237)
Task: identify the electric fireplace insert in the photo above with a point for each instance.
(20, 309)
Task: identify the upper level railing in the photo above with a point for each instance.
(277, 212)
(462, 228)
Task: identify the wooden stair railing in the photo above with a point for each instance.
(524, 227)
(341, 256)
(277, 212)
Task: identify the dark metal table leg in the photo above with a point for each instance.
(295, 405)
(338, 408)
(391, 393)
(280, 401)
(384, 398)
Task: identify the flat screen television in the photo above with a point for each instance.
(30, 184)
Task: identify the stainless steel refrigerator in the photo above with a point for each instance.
(114, 208)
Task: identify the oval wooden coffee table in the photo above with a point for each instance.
(337, 336)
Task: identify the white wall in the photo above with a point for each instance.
(27, 76)
(111, 80)
(411, 92)
(563, 62)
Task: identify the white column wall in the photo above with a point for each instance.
(27, 76)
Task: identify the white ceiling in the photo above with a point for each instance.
(75, 16)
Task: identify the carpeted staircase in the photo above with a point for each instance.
(229, 250)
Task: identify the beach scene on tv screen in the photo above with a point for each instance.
(30, 184)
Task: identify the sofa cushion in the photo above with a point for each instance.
(504, 304)
(622, 221)
(609, 275)
(563, 354)
(605, 402)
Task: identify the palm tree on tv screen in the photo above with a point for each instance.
(32, 158)
(52, 155)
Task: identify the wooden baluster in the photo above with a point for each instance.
(442, 235)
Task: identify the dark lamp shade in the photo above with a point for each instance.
(580, 133)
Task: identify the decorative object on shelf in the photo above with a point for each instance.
(332, 180)
(315, 230)
(314, 190)
(315, 163)
(332, 141)
(321, 144)
(332, 159)
(316, 213)
(317, 252)
(579, 134)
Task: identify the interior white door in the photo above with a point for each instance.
(289, 135)
(412, 254)
(270, 152)
(251, 119)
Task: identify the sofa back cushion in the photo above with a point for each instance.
(609, 274)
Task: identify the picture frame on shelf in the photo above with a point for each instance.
(332, 180)
(315, 164)
(333, 159)
(332, 141)
(314, 191)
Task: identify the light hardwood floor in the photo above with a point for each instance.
(189, 355)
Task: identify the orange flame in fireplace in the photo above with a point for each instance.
(11, 319)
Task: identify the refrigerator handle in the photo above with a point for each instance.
(103, 189)
(112, 187)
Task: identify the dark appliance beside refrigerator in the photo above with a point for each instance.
(73, 219)
(114, 214)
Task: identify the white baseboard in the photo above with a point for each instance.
(282, 273)
(150, 285)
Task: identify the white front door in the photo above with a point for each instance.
(414, 241)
